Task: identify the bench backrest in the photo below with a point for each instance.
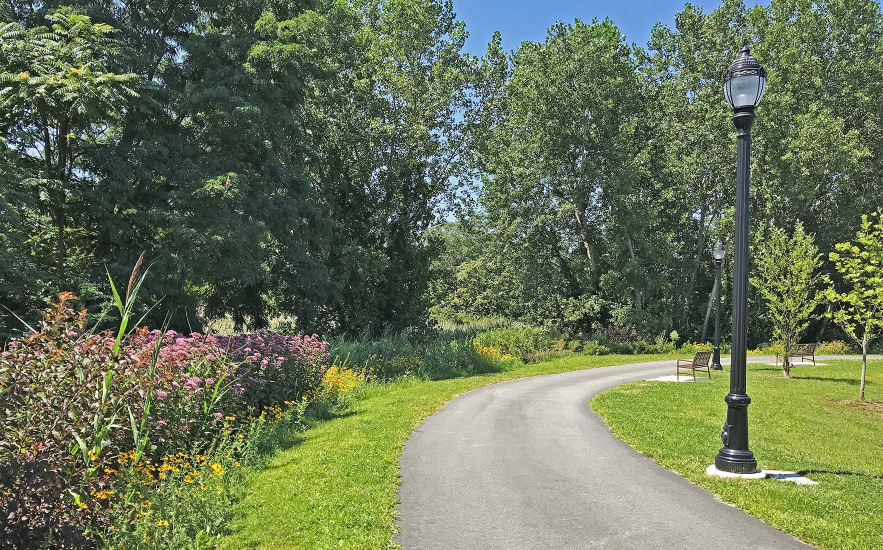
(701, 359)
(806, 349)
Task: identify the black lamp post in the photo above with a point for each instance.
(744, 86)
(719, 252)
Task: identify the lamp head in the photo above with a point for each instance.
(719, 252)
(745, 81)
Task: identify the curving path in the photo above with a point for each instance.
(526, 464)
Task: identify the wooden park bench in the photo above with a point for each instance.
(699, 362)
(804, 351)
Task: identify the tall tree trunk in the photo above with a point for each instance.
(825, 321)
(697, 265)
(61, 242)
(586, 235)
(62, 145)
(861, 388)
(639, 296)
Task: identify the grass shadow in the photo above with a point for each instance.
(850, 381)
(838, 473)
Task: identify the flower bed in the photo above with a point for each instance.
(101, 445)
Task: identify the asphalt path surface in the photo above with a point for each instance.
(526, 464)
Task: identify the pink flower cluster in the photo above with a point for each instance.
(275, 367)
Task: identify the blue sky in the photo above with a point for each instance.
(529, 19)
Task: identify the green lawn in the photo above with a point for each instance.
(796, 425)
(337, 487)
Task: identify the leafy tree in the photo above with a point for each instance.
(787, 278)
(859, 307)
(690, 145)
(59, 94)
(383, 120)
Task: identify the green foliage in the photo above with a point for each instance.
(788, 280)
(859, 306)
(663, 142)
(408, 353)
(834, 347)
(270, 159)
(519, 341)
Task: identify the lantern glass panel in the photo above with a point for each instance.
(744, 91)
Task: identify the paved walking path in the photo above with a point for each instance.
(526, 464)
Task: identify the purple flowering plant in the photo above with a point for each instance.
(273, 367)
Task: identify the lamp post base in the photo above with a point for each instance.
(734, 456)
(714, 471)
(735, 461)
(716, 359)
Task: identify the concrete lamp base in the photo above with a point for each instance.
(713, 471)
(793, 477)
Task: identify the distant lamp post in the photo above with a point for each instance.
(718, 253)
(744, 85)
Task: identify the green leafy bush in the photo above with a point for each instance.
(835, 347)
(518, 341)
(435, 356)
(594, 348)
(691, 348)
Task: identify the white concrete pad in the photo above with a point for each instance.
(793, 477)
(797, 364)
(781, 475)
(713, 471)
(674, 378)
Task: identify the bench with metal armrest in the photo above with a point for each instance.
(700, 362)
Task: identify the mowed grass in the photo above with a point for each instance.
(795, 425)
(337, 487)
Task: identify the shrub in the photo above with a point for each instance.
(62, 389)
(433, 356)
(690, 348)
(835, 347)
(517, 341)
(337, 382)
(594, 348)
(88, 420)
(179, 501)
(190, 387)
(445, 358)
(275, 368)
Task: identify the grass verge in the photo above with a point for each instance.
(337, 487)
(808, 424)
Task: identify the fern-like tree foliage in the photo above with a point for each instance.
(859, 303)
(788, 280)
(60, 91)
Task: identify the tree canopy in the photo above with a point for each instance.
(345, 165)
